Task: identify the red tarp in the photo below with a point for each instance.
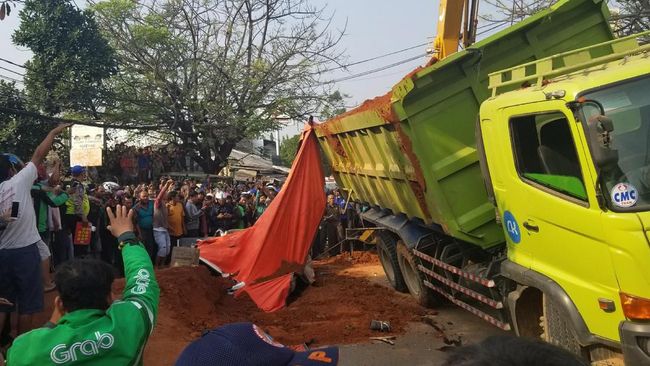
(265, 255)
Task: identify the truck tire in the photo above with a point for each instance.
(386, 248)
(413, 278)
(556, 330)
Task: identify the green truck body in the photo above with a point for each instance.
(414, 151)
(492, 179)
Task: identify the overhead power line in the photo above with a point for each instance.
(11, 79)
(369, 72)
(375, 58)
(11, 71)
(12, 63)
(496, 26)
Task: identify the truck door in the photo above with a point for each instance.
(549, 210)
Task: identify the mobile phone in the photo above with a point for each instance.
(14, 209)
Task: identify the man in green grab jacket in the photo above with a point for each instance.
(85, 328)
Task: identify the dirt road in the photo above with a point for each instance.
(349, 293)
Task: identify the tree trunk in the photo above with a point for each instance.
(214, 165)
(210, 166)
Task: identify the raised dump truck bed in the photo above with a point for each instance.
(413, 150)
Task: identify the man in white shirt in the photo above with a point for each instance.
(20, 271)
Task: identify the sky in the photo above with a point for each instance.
(374, 28)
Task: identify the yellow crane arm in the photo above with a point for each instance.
(450, 22)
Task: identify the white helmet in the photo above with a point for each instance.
(110, 187)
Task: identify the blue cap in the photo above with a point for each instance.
(77, 170)
(14, 160)
(245, 344)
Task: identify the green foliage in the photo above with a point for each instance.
(335, 105)
(71, 58)
(288, 150)
(18, 134)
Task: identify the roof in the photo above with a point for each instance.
(242, 160)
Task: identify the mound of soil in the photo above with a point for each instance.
(357, 257)
(337, 309)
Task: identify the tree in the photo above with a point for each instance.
(213, 72)
(334, 106)
(628, 16)
(71, 58)
(6, 7)
(509, 12)
(288, 150)
(631, 17)
(19, 134)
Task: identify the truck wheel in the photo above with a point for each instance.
(556, 330)
(413, 277)
(388, 258)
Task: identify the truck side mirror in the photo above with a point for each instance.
(599, 132)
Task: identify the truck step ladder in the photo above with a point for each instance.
(454, 285)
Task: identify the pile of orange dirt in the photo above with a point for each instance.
(337, 309)
(357, 257)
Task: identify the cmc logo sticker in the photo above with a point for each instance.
(624, 195)
(512, 227)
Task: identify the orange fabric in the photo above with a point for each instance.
(264, 255)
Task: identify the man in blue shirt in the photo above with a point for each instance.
(144, 220)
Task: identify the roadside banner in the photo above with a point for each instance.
(87, 146)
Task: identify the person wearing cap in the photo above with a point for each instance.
(245, 344)
(224, 212)
(77, 207)
(21, 280)
(85, 328)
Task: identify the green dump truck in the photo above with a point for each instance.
(513, 180)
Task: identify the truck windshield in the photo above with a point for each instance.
(628, 105)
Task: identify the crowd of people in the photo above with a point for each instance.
(94, 231)
(133, 165)
(70, 219)
(165, 212)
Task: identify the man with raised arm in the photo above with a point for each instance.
(85, 328)
(20, 263)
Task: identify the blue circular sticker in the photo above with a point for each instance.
(512, 227)
(624, 195)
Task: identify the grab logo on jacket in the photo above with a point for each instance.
(141, 282)
(61, 353)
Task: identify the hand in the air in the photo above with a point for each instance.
(120, 222)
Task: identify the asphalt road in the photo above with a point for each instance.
(422, 344)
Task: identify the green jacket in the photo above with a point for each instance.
(42, 200)
(116, 336)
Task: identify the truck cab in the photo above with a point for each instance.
(565, 153)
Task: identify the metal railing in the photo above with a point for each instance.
(567, 62)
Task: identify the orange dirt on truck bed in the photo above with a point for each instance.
(337, 309)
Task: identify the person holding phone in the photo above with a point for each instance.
(20, 263)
